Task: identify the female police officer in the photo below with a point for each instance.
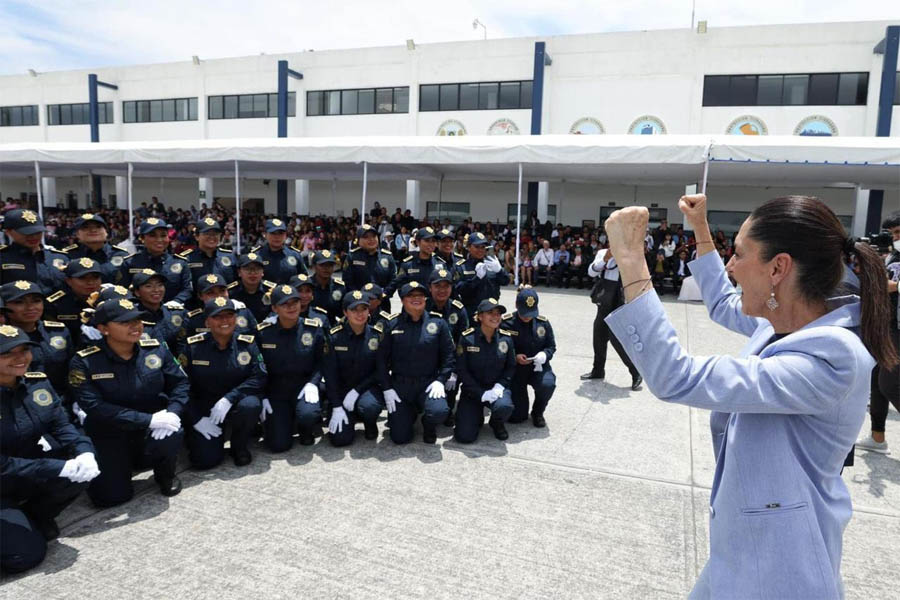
(293, 350)
(227, 377)
(485, 364)
(38, 478)
(134, 393)
(350, 378)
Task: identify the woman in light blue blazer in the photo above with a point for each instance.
(788, 409)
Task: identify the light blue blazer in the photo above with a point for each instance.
(788, 412)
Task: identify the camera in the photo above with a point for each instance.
(882, 241)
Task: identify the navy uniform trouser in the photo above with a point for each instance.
(470, 415)
(22, 546)
(451, 397)
(415, 400)
(208, 453)
(289, 415)
(120, 453)
(368, 406)
(542, 382)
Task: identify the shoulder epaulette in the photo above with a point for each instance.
(354, 249)
(457, 304)
(184, 254)
(388, 252)
(393, 316)
(508, 316)
(541, 318)
(468, 331)
(505, 332)
(246, 338)
(261, 326)
(384, 315)
(312, 322)
(436, 314)
(72, 247)
(119, 248)
(225, 250)
(151, 343)
(53, 249)
(255, 248)
(88, 351)
(3, 246)
(378, 327)
(54, 324)
(320, 309)
(149, 323)
(460, 261)
(35, 375)
(195, 312)
(130, 255)
(268, 284)
(233, 284)
(459, 255)
(196, 338)
(338, 281)
(408, 258)
(335, 329)
(55, 296)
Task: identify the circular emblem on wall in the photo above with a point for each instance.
(42, 397)
(384, 263)
(453, 318)
(176, 267)
(816, 125)
(116, 261)
(306, 339)
(747, 125)
(152, 361)
(541, 332)
(503, 127)
(373, 344)
(587, 126)
(292, 261)
(243, 358)
(58, 342)
(432, 328)
(451, 127)
(647, 125)
(242, 322)
(503, 346)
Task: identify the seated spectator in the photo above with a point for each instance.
(543, 262)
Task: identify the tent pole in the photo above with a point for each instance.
(440, 197)
(237, 207)
(362, 211)
(518, 224)
(130, 206)
(705, 168)
(40, 192)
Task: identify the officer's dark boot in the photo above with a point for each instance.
(429, 435)
(169, 486)
(48, 527)
(241, 456)
(500, 431)
(450, 420)
(371, 431)
(306, 437)
(538, 420)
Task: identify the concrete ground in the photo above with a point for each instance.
(609, 501)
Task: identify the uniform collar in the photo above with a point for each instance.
(115, 357)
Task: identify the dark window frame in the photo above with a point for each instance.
(483, 103)
(7, 112)
(82, 111)
(246, 106)
(714, 95)
(321, 98)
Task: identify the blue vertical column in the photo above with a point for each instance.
(537, 109)
(885, 112)
(94, 110)
(282, 129)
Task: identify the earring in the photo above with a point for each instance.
(772, 303)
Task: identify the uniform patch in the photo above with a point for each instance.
(42, 397)
(116, 261)
(96, 376)
(473, 349)
(177, 320)
(341, 348)
(58, 342)
(200, 363)
(242, 322)
(384, 262)
(292, 261)
(269, 346)
(243, 358)
(503, 346)
(432, 328)
(176, 267)
(541, 331)
(152, 361)
(336, 295)
(246, 338)
(453, 318)
(306, 339)
(76, 377)
(59, 263)
(373, 344)
(226, 261)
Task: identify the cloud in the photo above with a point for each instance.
(67, 34)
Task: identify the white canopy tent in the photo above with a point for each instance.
(612, 159)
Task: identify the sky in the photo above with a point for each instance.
(55, 35)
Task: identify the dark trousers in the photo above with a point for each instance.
(121, 453)
(414, 400)
(542, 382)
(885, 390)
(368, 406)
(22, 546)
(602, 335)
(470, 415)
(208, 453)
(451, 397)
(289, 415)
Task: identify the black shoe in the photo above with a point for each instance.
(500, 432)
(429, 436)
(242, 458)
(306, 438)
(450, 421)
(594, 375)
(538, 420)
(170, 487)
(48, 528)
(636, 381)
(371, 431)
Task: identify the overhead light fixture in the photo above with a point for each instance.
(32, 72)
(410, 44)
(196, 59)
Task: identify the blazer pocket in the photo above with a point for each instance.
(774, 509)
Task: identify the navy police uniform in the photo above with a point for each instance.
(361, 267)
(221, 262)
(172, 268)
(457, 318)
(256, 302)
(64, 306)
(108, 256)
(44, 267)
(328, 296)
(472, 289)
(279, 265)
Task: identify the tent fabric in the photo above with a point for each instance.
(625, 159)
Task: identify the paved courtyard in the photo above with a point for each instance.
(609, 501)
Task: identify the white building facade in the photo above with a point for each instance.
(820, 79)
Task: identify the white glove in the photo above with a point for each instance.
(489, 397)
(266, 410)
(219, 411)
(338, 420)
(436, 390)
(207, 428)
(391, 400)
(539, 359)
(310, 393)
(480, 270)
(350, 400)
(498, 390)
(44, 444)
(160, 434)
(174, 305)
(271, 318)
(165, 420)
(492, 265)
(70, 470)
(238, 304)
(79, 413)
(451, 383)
(87, 466)
(91, 333)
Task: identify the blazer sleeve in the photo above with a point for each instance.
(809, 376)
(721, 299)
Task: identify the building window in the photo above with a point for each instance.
(816, 89)
(248, 106)
(365, 101)
(457, 212)
(475, 96)
(154, 111)
(18, 116)
(728, 221)
(511, 214)
(78, 114)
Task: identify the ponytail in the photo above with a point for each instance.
(876, 308)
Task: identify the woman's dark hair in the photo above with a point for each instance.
(806, 229)
(893, 220)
